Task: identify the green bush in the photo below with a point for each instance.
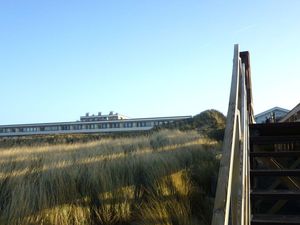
(217, 134)
(159, 140)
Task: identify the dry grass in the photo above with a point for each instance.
(161, 179)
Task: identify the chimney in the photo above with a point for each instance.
(87, 114)
(99, 113)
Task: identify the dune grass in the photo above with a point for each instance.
(164, 178)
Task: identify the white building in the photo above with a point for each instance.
(271, 115)
(113, 122)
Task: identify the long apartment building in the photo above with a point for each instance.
(112, 122)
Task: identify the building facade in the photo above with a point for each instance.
(113, 122)
(271, 115)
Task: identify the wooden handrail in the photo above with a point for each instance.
(232, 205)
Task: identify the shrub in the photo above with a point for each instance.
(159, 140)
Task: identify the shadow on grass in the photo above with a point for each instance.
(88, 185)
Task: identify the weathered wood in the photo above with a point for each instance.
(275, 154)
(244, 153)
(222, 200)
(245, 57)
(236, 177)
(273, 219)
(275, 129)
(282, 172)
(275, 194)
(275, 139)
(232, 195)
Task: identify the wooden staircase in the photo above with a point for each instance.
(259, 175)
(275, 173)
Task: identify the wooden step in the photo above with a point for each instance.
(275, 129)
(274, 139)
(275, 219)
(275, 154)
(277, 172)
(275, 194)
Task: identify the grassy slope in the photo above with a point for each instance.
(164, 178)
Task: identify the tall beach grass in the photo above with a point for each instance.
(163, 178)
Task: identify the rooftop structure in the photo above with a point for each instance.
(100, 117)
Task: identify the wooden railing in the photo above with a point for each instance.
(232, 201)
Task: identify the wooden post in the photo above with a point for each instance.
(222, 200)
(233, 190)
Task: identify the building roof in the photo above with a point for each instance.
(294, 111)
(93, 122)
(272, 110)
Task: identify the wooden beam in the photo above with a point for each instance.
(222, 200)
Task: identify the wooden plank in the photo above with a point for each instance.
(274, 139)
(222, 199)
(232, 195)
(244, 151)
(236, 178)
(275, 154)
(245, 57)
(275, 194)
(275, 129)
(275, 219)
(282, 172)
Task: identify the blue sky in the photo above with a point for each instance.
(60, 59)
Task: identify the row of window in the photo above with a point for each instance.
(82, 126)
